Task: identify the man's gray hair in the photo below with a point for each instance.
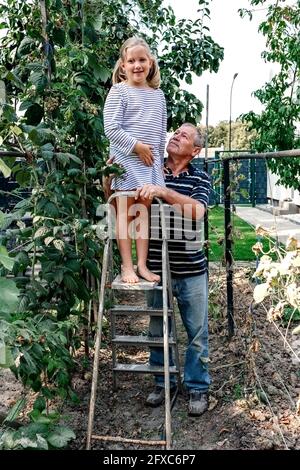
(199, 137)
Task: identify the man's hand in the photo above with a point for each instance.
(144, 152)
(189, 207)
(149, 191)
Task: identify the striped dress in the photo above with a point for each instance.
(134, 114)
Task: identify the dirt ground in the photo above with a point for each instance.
(253, 397)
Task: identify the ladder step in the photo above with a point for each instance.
(143, 368)
(129, 441)
(138, 340)
(141, 285)
(131, 309)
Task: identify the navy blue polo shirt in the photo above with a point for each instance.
(185, 236)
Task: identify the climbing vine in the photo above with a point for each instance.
(56, 61)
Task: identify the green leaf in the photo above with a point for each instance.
(7, 440)
(22, 259)
(74, 158)
(39, 80)
(47, 155)
(25, 105)
(74, 172)
(9, 299)
(5, 169)
(70, 283)
(15, 411)
(51, 210)
(102, 72)
(73, 265)
(2, 93)
(15, 79)
(37, 442)
(60, 437)
(16, 130)
(30, 362)
(82, 292)
(97, 23)
(38, 417)
(40, 136)
(8, 113)
(2, 218)
(62, 158)
(92, 267)
(188, 78)
(6, 358)
(23, 177)
(26, 46)
(7, 262)
(58, 276)
(47, 147)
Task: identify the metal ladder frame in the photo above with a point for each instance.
(168, 305)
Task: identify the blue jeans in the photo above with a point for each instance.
(192, 298)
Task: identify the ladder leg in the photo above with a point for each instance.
(166, 346)
(114, 352)
(112, 320)
(97, 346)
(173, 325)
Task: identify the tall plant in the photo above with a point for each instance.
(276, 126)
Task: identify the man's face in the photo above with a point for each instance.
(182, 142)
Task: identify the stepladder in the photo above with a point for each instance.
(109, 286)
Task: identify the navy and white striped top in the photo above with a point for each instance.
(185, 236)
(134, 114)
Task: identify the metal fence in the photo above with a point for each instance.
(252, 189)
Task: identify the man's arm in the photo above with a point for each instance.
(190, 207)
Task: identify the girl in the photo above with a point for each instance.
(135, 122)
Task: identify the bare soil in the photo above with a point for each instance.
(254, 397)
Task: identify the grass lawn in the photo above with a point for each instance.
(244, 237)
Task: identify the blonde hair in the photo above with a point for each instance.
(153, 78)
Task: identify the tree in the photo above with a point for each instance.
(276, 126)
(56, 61)
(242, 138)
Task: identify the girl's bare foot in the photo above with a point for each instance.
(144, 272)
(128, 275)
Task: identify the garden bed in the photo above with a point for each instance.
(255, 388)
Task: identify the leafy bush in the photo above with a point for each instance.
(279, 280)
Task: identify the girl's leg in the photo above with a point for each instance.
(142, 242)
(124, 239)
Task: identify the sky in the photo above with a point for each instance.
(243, 45)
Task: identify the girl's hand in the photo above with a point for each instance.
(144, 152)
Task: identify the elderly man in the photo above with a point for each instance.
(187, 190)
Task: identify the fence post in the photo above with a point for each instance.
(217, 190)
(253, 181)
(228, 247)
(205, 167)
